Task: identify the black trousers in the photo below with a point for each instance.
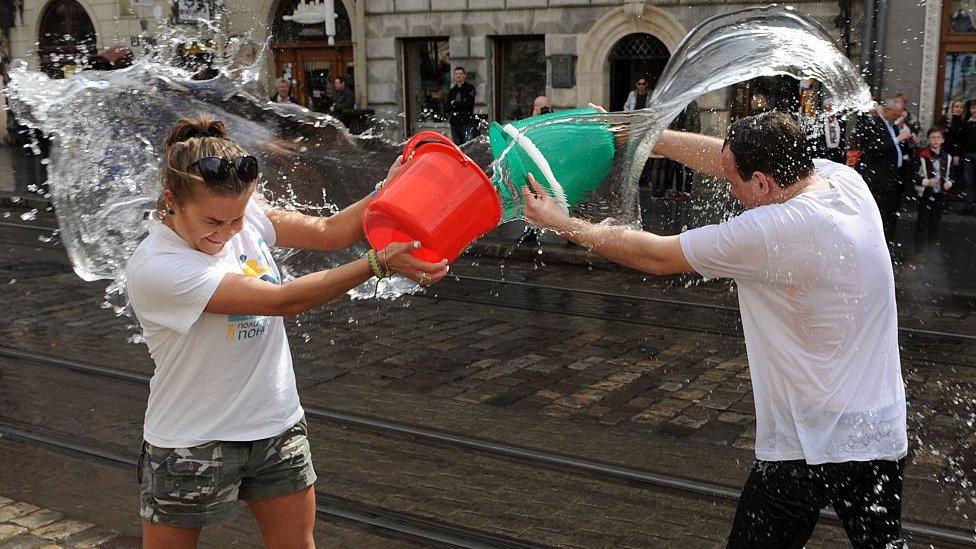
(930, 208)
(781, 503)
(889, 202)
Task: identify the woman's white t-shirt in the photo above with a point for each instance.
(817, 298)
(217, 377)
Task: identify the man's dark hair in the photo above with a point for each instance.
(340, 79)
(461, 69)
(771, 143)
(935, 129)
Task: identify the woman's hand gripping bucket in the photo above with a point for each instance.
(440, 197)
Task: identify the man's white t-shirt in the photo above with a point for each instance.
(217, 377)
(817, 298)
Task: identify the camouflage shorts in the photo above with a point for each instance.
(203, 485)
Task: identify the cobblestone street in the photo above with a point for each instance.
(655, 385)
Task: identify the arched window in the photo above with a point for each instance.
(66, 36)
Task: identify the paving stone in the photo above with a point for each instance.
(686, 421)
(8, 531)
(35, 520)
(93, 538)
(26, 540)
(62, 529)
(15, 510)
(732, 417)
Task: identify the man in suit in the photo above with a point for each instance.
(882, 159)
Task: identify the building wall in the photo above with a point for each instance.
(905, 35)
(115, 21)
(587, 29)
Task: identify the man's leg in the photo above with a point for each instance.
(456, 134)
(869, 505)
(779, 506)
(922, 221)
(969, 177)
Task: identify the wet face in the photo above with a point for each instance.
(958, 108)
(209, 220)
(936, 140)
(459, 76)
(750, 193)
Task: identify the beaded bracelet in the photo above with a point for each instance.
(374, 264)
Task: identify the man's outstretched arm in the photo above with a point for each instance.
(644, 251)
(701, 153)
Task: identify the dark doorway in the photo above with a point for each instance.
(66, 37)
(635, 55)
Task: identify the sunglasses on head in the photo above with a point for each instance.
(216, 170)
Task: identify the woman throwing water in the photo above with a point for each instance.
(224, 421)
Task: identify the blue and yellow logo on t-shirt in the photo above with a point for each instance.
(244, 327)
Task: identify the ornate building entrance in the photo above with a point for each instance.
(302, 52)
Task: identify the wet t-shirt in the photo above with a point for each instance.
(217, 377)
(817, 298)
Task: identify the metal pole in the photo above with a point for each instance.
(867, 39)
(881, 31)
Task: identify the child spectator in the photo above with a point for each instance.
(932, 180)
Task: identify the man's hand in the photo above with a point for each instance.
(542, 210)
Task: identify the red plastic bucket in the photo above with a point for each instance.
(441, 198)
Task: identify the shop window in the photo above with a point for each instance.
(427, 77)
(520, 75)
(957, 58)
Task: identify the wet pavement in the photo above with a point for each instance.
(623, 379)
(653, 376)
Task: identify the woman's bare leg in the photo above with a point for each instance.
(163, 536)
(286, 521)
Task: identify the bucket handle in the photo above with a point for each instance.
(425, 137)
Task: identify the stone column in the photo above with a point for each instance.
(930, 63)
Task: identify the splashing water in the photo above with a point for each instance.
(724, 50)
(108, 127)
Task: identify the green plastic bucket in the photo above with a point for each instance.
(570, 159)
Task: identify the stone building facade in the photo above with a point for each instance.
(395, 52)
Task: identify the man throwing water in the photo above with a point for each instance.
(817, 297)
